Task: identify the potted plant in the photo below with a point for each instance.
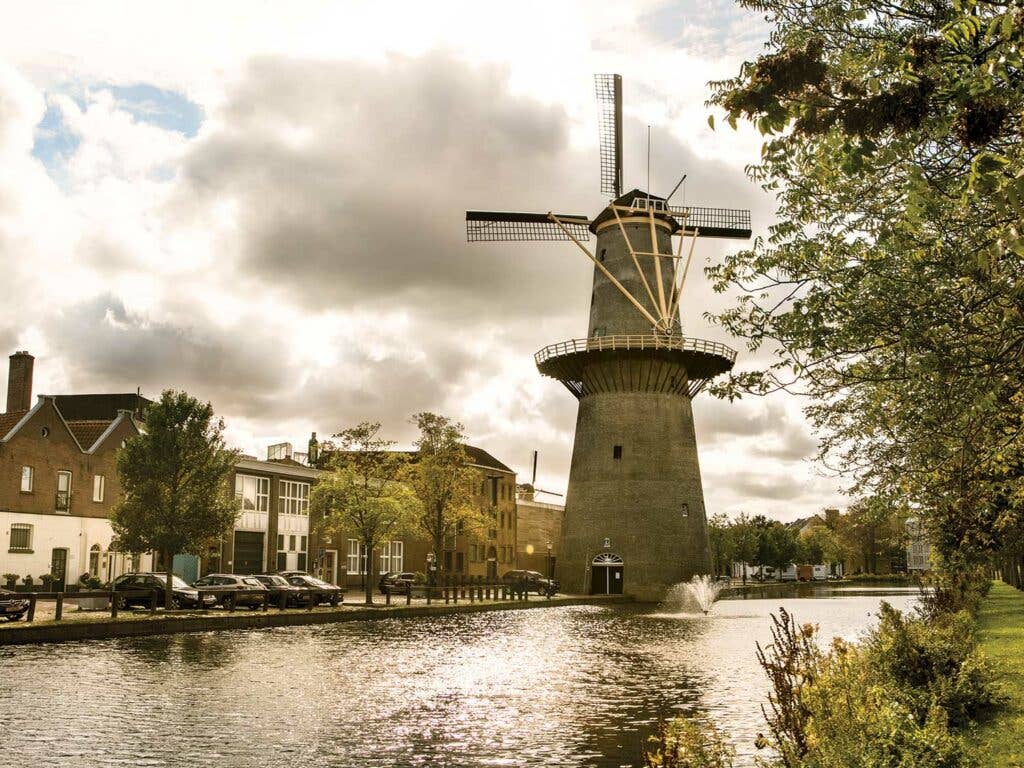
(10, 579)
(28, 581)
(47, 579)
(92, 602)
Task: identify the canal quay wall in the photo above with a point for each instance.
(106, 628)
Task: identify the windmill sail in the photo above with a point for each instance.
(608, 89)
(510, 226)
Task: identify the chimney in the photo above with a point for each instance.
(19, 382)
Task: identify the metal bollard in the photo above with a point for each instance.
(408, 595)
(266, 601)
(152, 602)
(387, 595)
(31, 607)
(282, 601)
(430, 592)
(58, 610)
(113, 604)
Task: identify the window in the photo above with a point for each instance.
(99, 485)
(392, 556)
(355, 558)
(26, 479)
(600, 256)
(460, 562)
(294, 557)
(494, 491)
(686, 510)
(21, 537)
(294, 498)
(616, 451)
(253, 493)
(94, 560)
(63, 500)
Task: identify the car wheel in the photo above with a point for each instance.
(14, 616)
(228, 602)
(121, 602)
(175, 603)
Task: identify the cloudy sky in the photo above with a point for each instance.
(263, 205)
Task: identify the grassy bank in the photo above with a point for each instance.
(1001, 635)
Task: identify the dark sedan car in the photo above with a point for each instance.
(12, 605)
(136, 589)
(397, 583)
(534, 581)
(233, 589)
(322, 591)
(278, 586)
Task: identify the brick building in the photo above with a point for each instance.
(489, 552)
(58, 479)
(539, 537)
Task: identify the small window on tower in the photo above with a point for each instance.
(616, 451)
(601, 255)
(686, 510)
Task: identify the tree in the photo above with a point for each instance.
(722, 545)
(780, 546)
(745, 541)
(820, 544)
(443, 483)
(361, 492)
(890, 288)
(175, 478)
(874, 529)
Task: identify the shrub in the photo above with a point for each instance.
(896, 699)
(688, 743)
(935, 663)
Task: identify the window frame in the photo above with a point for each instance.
(67, 509)
(260, 499)
(31, 478)
(99, 488)
(27, 528)
(293, 497)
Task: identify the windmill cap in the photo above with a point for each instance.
(628, 200)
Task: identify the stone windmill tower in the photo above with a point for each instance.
(634, 516)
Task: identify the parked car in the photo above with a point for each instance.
(399, 583)
(234, 589)
(535, 582)
(322, 591)
(278, 585)
(12, 605)
(136, 589)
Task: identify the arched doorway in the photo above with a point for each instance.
(606, 574)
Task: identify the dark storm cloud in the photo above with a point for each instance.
(352, 179)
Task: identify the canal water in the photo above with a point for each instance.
(570, 686)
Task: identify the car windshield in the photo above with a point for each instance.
(176, 581)
(317, 582)
(252, 582)
(275, 580)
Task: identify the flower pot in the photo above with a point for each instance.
(92, 602)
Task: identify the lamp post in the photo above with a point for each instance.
(550, 569)
(431, 568)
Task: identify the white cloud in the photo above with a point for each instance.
(300, 261)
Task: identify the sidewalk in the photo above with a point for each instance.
(1001, 635)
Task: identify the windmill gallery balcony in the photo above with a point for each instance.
(621, 362)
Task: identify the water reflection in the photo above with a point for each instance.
(564, 686)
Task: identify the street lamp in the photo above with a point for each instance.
(550, 568)
(430, 568)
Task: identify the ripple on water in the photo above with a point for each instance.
(554, 687)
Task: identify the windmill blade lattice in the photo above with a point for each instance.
(510, 226)
(608, 89)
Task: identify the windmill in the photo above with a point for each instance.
(634, 516)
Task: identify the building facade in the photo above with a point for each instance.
(58, 483)
(919, 549)
(540, 532)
